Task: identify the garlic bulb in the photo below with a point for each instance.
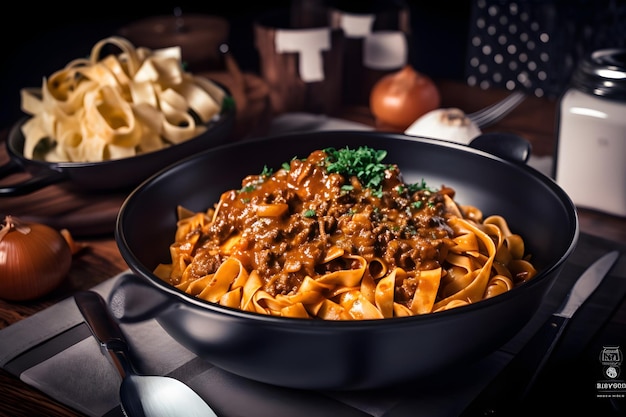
(449, 124)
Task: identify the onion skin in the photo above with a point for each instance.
(400, 98)
(31, 264)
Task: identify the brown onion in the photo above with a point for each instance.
(34, 259)
(400, 98)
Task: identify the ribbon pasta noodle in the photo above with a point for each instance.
(312, 240)
(97, 109)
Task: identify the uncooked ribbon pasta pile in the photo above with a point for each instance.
(117, 106)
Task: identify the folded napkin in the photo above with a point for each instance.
(54, 352)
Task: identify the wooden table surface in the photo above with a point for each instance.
(534, 119)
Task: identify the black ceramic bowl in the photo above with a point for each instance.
(346, 355)
(118, 174)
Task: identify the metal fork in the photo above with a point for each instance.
(491, 114)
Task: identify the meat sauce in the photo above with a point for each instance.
(288, 221)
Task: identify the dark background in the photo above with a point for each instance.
(44, 38)
(41, 38)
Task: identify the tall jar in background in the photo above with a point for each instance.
(590, 155)
(377, 42)
(300, 58)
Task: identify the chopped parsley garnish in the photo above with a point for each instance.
(364, 163)
(266, 171)
(309, 213)
(248, 188)
(418, 186)
(265, 174)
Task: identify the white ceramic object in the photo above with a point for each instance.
(449, 124)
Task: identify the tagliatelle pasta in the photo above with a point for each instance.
(117, 106)
(340, 236)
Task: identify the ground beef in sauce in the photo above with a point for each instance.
(405, 228)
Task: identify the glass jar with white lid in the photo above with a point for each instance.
(590, 157)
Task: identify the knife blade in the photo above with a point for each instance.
(513, 383)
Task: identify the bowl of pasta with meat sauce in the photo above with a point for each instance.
(342, 260)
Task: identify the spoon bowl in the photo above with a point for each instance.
(140, 395)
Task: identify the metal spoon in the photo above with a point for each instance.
(140, 395)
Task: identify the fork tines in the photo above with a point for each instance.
(497, 111)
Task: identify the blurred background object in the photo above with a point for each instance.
(204, 40)
(201, 37)
(251, 94)
(45, 37)
(301, 61)
(535, 45)
(591, 133)
(377, 42)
